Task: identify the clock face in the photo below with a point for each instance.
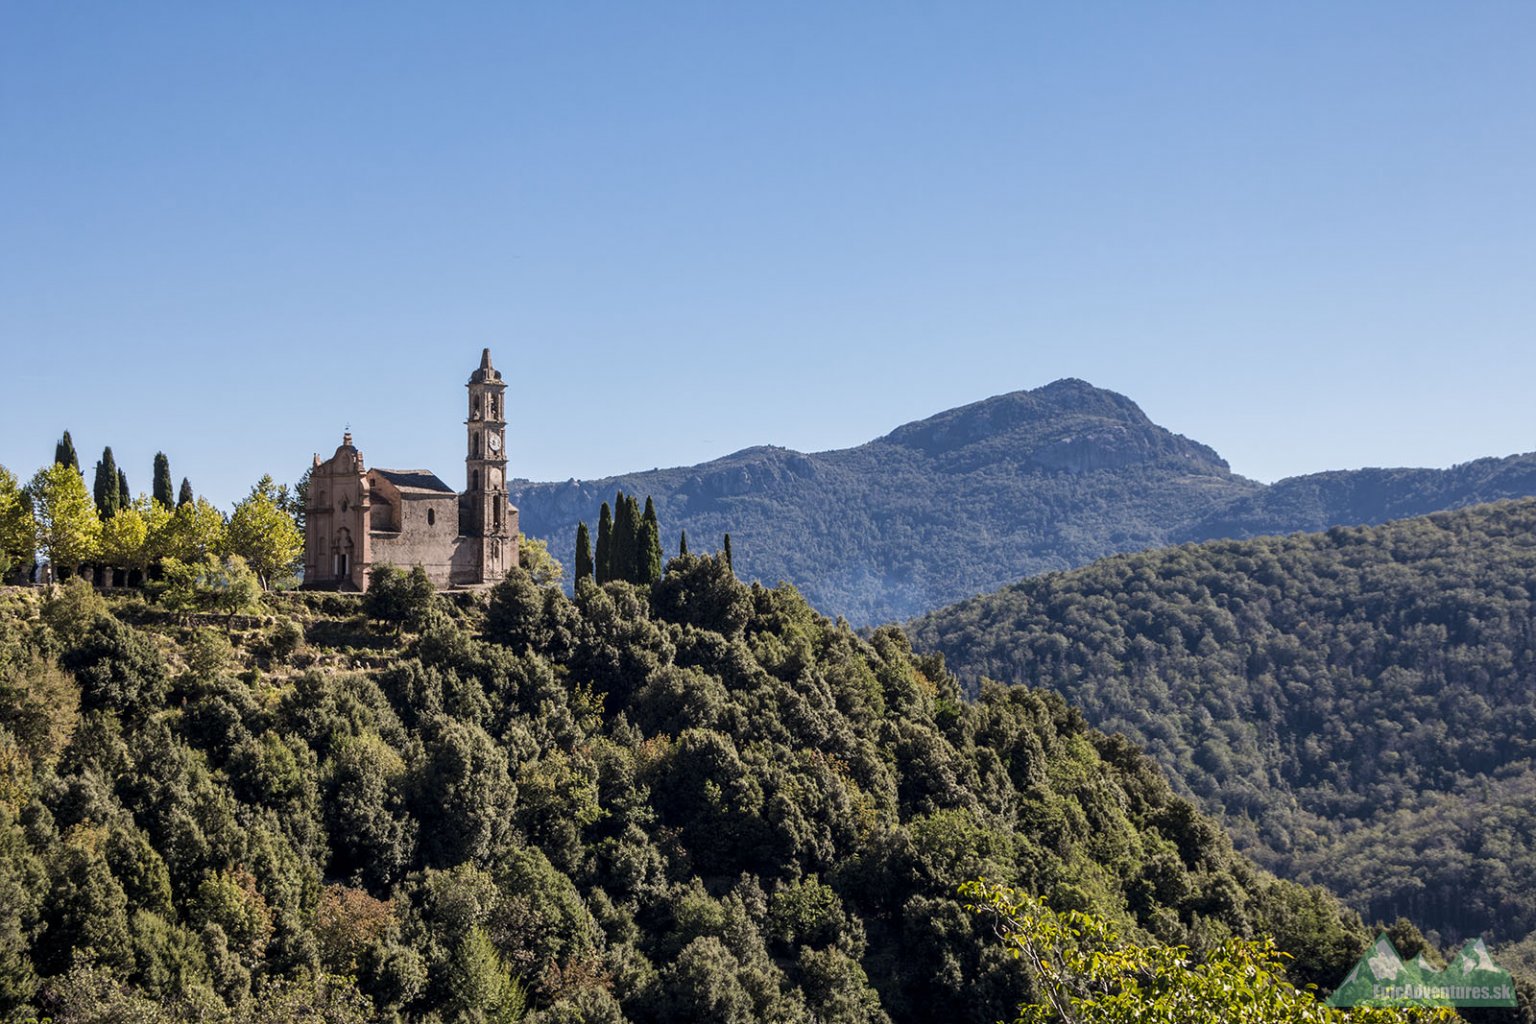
(495, 442)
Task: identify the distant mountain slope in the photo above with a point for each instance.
(934, 511)
(983, 495)
(1360, 703)
(1363, 496)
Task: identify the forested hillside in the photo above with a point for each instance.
(1359, 704)
(984, 495)
(696, 801)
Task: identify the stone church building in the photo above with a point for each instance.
(357, 518)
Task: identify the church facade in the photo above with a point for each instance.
(357, 518)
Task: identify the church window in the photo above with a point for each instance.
(431, 517)
(476, 478)
(477, 446)
(497, 516)
(495, 407)
(476, 414)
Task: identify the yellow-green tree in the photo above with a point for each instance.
(68, 529)
(18, 530)
(195, 531)
(123, 539)
(263, 533)
(1087, 973)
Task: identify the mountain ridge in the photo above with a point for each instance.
(978, 496)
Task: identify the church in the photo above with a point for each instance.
(356, 518)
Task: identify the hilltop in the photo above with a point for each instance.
(698, 801)
(1359, 705)
(981, 496)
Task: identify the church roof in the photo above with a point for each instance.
(415, 481)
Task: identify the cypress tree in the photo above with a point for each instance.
(603, 566)
(650, 545)
(124, 499)
(162, 486)
(104, 488)
(186, 497)
(622, 553)
(583, 553)
(64, 453)
(682, 544)
(728, 564)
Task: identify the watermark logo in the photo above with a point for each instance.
(1383, 978)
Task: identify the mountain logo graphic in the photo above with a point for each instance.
(1382, 978)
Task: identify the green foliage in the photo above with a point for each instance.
(699, 800)
(262, 532)
(125, 539)
(682, 542)
(404, 599)
(185, 496)
(105, 487)
(68, 528)
(1357, 703)
(583, 553)
(1086, 973)
(603, 567)
(64, 453)
(648, 567)
(533, 557)
(222, 586)
(162, 488)
(18, 529)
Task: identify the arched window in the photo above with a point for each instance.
(477, 446)
(475, 477)
(431, 517)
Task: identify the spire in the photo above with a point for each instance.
(485, 359)
(346, 439)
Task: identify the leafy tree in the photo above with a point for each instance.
(1086, 973)
(534, 558)
(682, 542)
(64, 453)
(405, 599)
(195, 531)
(18, 528)
(105, 489)
(162, 487)
(68, 529)
(185, 496)
(124, 496)
(603, 567)
(583, 553)
(123, 539)
(727, 552)
(119, 669)
(224, 586)
(648, 570)
(480, 989)
(262, 532)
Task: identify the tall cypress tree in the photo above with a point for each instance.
(162, 491)
(124, 499)
(104, 488)
(728, 564)
(650, 545)
(682, 544)
(64, 453)
(603, 566)
(186, 497)
(622, 553)
(583, 553)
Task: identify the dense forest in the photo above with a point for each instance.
(1357, 704)
(981, 496)
(695, 800)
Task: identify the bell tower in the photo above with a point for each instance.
(485, 514)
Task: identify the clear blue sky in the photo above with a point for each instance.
(1303, 233)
